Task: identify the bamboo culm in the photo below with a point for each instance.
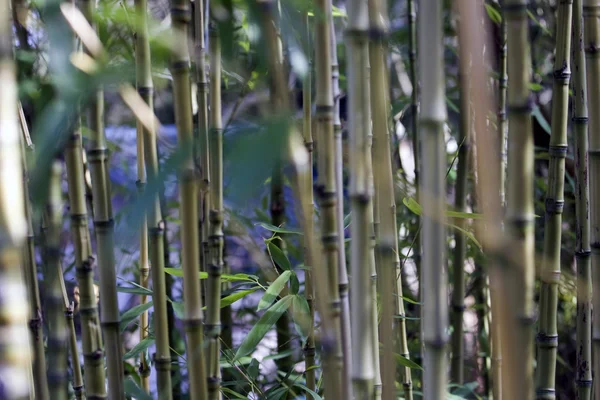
(40, 385)
(216, 240)
(327, 187)
(15, 351)
(309, 291)
(188, 191)
(547, 337)
(361, 194)
(142, 61)
(153, 220)
(517, 317)
(460, 203)
(339, 179)
(434, 313)
(582, 251)
(591, 23)
(98, 158)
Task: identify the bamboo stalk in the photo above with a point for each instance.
(154, 225)
(309, 290)
(57, 332)
(97, 155)
(327, 187)
(339, 181)
(547, 337)
(188, 191)
(387, 235)
(582, 193)
(35, 324)
(216, 239)
(142, 63)
(361, 193)
(434, 312)
(15, 350)
(516, 322)
(591, 23)
(460, 248)
(202, 140)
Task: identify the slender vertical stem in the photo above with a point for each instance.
(309, 290)
(582, 194)
(153, 224)
(547, 337)
(194, 316)
(215, 264)
(40, 385)
(516, 321)
(460, 204)
(57, 333)
(202, 146)
(142, 63)
(434, 314)
(591, 23)
(98, 155)
(327, 188)
(339, 181)
(361, 194)
(387, 235)
(15, 351)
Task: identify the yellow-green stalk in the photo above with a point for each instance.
(327, 188)
(215, 262)
(15, 346)
(591, 23)
(434, 312)
(517, 286)
(98, 156)
(309, 291)
(153, 221)
(35, 324)
(188, 192)
(57, 332)
(460, 239)
(582, 194)
(547, 337)
(339, 181)
(361, 194)
(387, 239)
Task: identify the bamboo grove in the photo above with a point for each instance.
(426, 223)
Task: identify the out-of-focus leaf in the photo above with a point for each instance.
(275, 229)
(278, 256)
(273, 290)
(262, 326)
(133, 313)
(139, 348)
(405, 362)
(134, 390)
(301, 315)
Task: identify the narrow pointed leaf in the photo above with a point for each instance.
(273, 291)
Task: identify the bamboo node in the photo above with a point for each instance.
(583, 254)
(580, 120)
(546, 341)
(554, 207)
(181, 13)
(191, 323)
(144, 369)
(145, 90)
(559, 151)
(161, 363)
(584, 382)
(562, 75)
(94, 355)
(56, 378)
(545, 393)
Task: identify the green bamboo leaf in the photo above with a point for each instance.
(241, 361)
(134, 290)
(468, 234)
(275, 229)
(278, 256)
(537, 113)
(416, 208)
(301, 315)
(347, 220)
(273, 290)
(314, 394)
(494, 15)
(235, 395)
(409, 300)
(139, 348)
(178, 272)
(405, 362)
(178, 308)
(133, 313)
(262, 326)
(232, 298)
(134, 390)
